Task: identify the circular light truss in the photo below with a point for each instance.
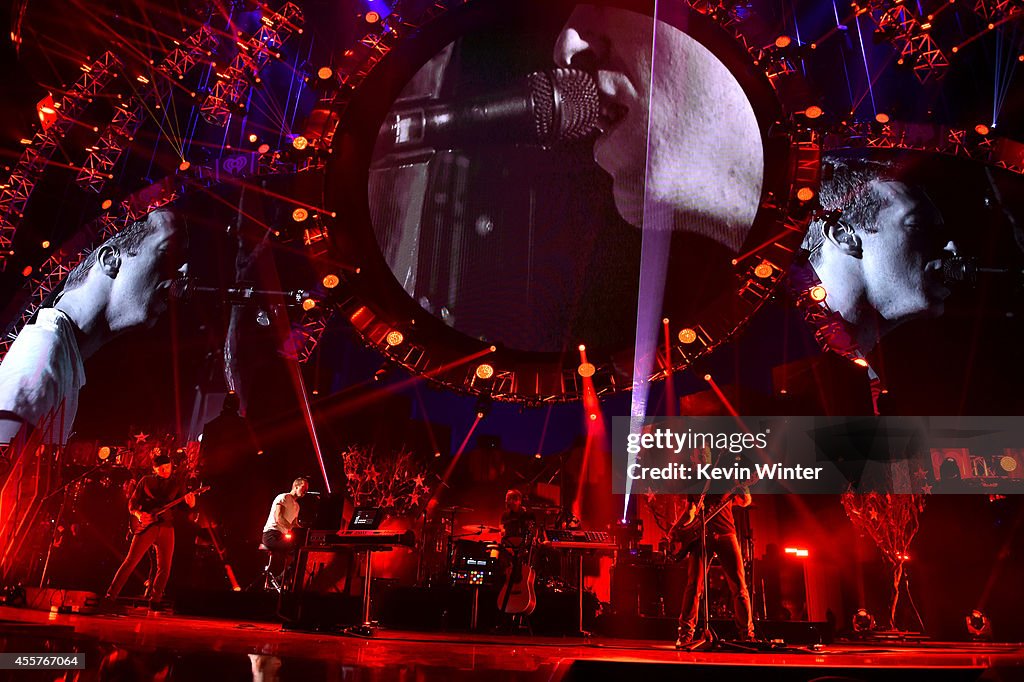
(376, 304)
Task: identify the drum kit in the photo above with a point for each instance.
(474, 552)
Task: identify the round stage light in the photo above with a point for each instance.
(805, 194)
(783, 42)
(1008, 463)
(813, 111)
(687, 335)
(536, 455)
(707, 378)
(763, 270)
(107, 203)
(817, 293)
(27, 271)
(300, 143)
(104, 453)
(184, 166)
(394, 338)
(860, 362)
(45, 244)
(263, 148)
(254, 138)
(582, 348)
(324, 72)
(372, 17)
(308, 304)
(300, 214)
(586, 370)
(593, 417)
(331, 281)
(484, 371)
(981, 129)
(882, 117)
(863, 621)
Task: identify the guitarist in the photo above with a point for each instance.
(152, 492)
(721, 540)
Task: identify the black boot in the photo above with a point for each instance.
(684, 637)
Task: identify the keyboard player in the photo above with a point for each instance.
(279, 531)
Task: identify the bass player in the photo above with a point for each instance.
(153, 492)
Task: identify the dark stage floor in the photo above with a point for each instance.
(168, 647)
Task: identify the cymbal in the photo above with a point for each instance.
(542, 506)
(455, 508)
(481, 529)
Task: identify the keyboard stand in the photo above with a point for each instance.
(368, 628)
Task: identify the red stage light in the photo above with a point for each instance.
(300, 214)
(763, 270)
(27, 271)
(707, 378)
(46, 244)
(882, 117)
(805, 194)
(593, 417)
(104, 453)
(817, 293)
(687, 335)
(783, 42)
(860, 362)
(536, 455)
(394, 337)
(586, 370)
(813, 111)
(324, 72)
(184, 166)
(263, 148)
(253, 137)
(372, 17)
(308, 304)
(300, 143)
(107, 203)
(981, 129)
(331, 281)
(484, 371)
(797, 552)
(582, 348)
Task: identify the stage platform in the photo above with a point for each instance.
(190, 648)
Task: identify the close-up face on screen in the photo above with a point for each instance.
(533, 239)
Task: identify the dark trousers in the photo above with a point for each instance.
(277, 543)
(727, 547)
(161, 537)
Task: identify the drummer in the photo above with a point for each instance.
(518, 525)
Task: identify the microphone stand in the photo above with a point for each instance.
(60, 516)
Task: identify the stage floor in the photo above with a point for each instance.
(169, 647)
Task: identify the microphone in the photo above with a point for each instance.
(959, 269)
(187, 288)
(546, 108)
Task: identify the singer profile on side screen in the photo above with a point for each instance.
(122, 285)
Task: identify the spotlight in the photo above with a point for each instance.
(300, 214)
(813, 111)
(300, 143)
(783, 42)
(860, 362)
(763, 270)
(394, 338)
(817, 293)
(330, 281)
(184, 166)
(979, 627)
(254, 138)
(324, 72)
(372, 17)
(483, 407)
(882, 117)
(586, 370)
(863, 621)
(484, 371)
(308, 304)
(582, 348)
(45, 244)
(27, 271)
(805, 194)
(687, 335)
(593, 417)
(263, 148)
(536, 455)
(437, 454)
(1008, 463)
(797, 552)
(107, 203)
(104, 453)
(981, 129)
(707, 378)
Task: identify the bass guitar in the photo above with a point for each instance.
(685, 533)
(136, 526)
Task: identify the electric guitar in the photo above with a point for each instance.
(684, 534)
(137, 526)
